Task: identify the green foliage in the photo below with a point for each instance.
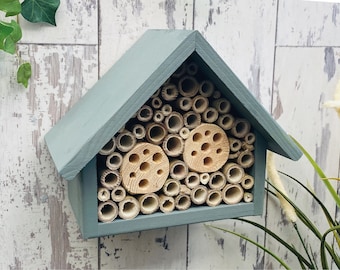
(10, 34)
(40, 10)
(10, 7)
(24, 74)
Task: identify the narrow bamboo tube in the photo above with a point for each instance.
(118, 194)
(155, 133)
(222, 105)
(128, 208)
(184, 103)
(241, 128)
(248, 197)
(199, 194)
(138, 131)
(204, 178)
(191, 119)
(232, 193)
(166, 109)
(182, 201)
(166, 203)
(217, 180)
(103, 194)
(246, 159)
(126, 141)
(107, 211)
(192, 68)
(174, 122)
(169, 92)
(145, 113)
(199, 104)
(109, 147)
(110, 179)
(156, 94)
(178, 169)
(226, 121)
(184, 133)
(235, 144)
(114, 161)
(206, 88)
(234, 155)
(246, 146)
(180, 71)
(214, 197)
(171, 187)
(233, 172)
(210, 115)
(156, 103)
(250, 138)
(247, 182)
(158, 116)
(188, 86)
(149, 203)
(192, 180)
(173, 145)
(185, 190)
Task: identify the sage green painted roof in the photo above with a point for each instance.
(116, 97)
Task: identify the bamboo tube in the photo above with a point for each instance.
(184, 103)
(222, 105)
(126, 141)
(210, 115)
(173, 145)
(192, 68)
(138, 131)
(199, 195)
(247, 182)
(166, 203)
(109, 147)
(128, 208)
(206, 88)
(144, 169)
(149, 203)
(155, 133)
(246, 159)
(184, 133)
(145, 113)
(118, 194)
(234, 155)
(232, 193)
(185, 190)
(241, 128)
(158, 116)
(156, 103)
(249, 138)
(204, 178)
(188, 86)
(226, 121)
(110, 179)
(192, 180)
(178, 169)
(107, 211)
(156, 94)
(171, 187)
(166, 109)
(233, 172)
(182, 201)
(103, 194)
(180, 71)
(169, 92)
(216, 94)
(248, 197)
(191, 119)
(214, 197)
(246, 146)
(174, 122)
(114, 161)
(199, 104)
(217, 180)
(235, 144)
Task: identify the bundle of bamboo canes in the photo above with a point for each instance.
(185, 147)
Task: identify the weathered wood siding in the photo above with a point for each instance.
(286, 52)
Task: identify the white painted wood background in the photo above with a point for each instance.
(287, 52)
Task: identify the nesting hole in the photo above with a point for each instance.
(111, 178)
(132, 175)
(217, 137)
(193, 153)
(218, 150)
(143, 183)
(128, 207)
(107, 209)
(197, 137)
(157, 132)
(188, 84)
(205, 146)
(146, 152)
(207, 133)
(134, 158)
(109, 145)
(174, 144)
(144, 166)
(207, 161)
(159, 172)
(214, 197)
(157, 157)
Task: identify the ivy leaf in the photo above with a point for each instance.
(11, 7)
(10, 34)
(40, 10)
(24, 74)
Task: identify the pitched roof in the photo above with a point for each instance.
(114, 99)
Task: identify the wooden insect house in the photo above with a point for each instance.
(168, 136)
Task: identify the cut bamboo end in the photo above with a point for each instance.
(144, 169)
(145, 113)
(226, 121)
(171, 187)
(199, 104)
(126, 141)
(156, 103)
(107, 211)
(184, 103)
(166, 203)
(250, 138)
(184, 133)
(109, 147)
(233, 172)
(169, 92)
(214, 197)
(182, 201)
(210, 115)
(185, 190)
(206, 88)
(246, 146)
(234, 155)
(118, 194)
(149, 203)
(166, 109)
(217, 180)
(114, 161)
(235, 144)
(247, 182)
(241, 128)
(204, 178)
(155, 133)
(191, 119)
(246, 159)
(110, 179)
(173, 145)
(174, 122)
(232, 193)
(199, 195)
(222, 105)
(128, 208)
(192, 180)
(192, 68)
(138, 131)
(188, 86)
(158, 116)
(206, 149)
(248, 197)
(103, 194)
(178, 169)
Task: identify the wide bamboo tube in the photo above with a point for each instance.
(114, 161)
(199, 195)
(246, 159)
(107, 211)
(192, 180)
(204, 178)
(184, 103)
(173, 145)
(192, 68)
(169, 92)
(206, 88)
(155, 133)
(171, 187)
(241, 128)
(138, 131)
(158, 116)
(145, 113)
(217, 180)
(191, 119)
(235, 144)
(166, 109)
(109, 147)
(174, 122)
(149, 203)
(226, 121)
(110, 179)
(118, 194)
(178, 169)
(214, 197)
(128, 208)
(210, 115)
(222, 105)
(188, 86)
(199, 104)
(184, 133)
(103, 194)
(166, 203)
(247, 182)
(233, 172)
(126, 141)
(182, 201)
(156, 103)
(232, 193)
(248, 197)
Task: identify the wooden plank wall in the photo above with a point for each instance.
(286, 52)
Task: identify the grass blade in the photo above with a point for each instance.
(322, 249)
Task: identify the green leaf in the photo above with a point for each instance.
(10, 34)
(24, 74)
(11, 7)
(40, 10)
